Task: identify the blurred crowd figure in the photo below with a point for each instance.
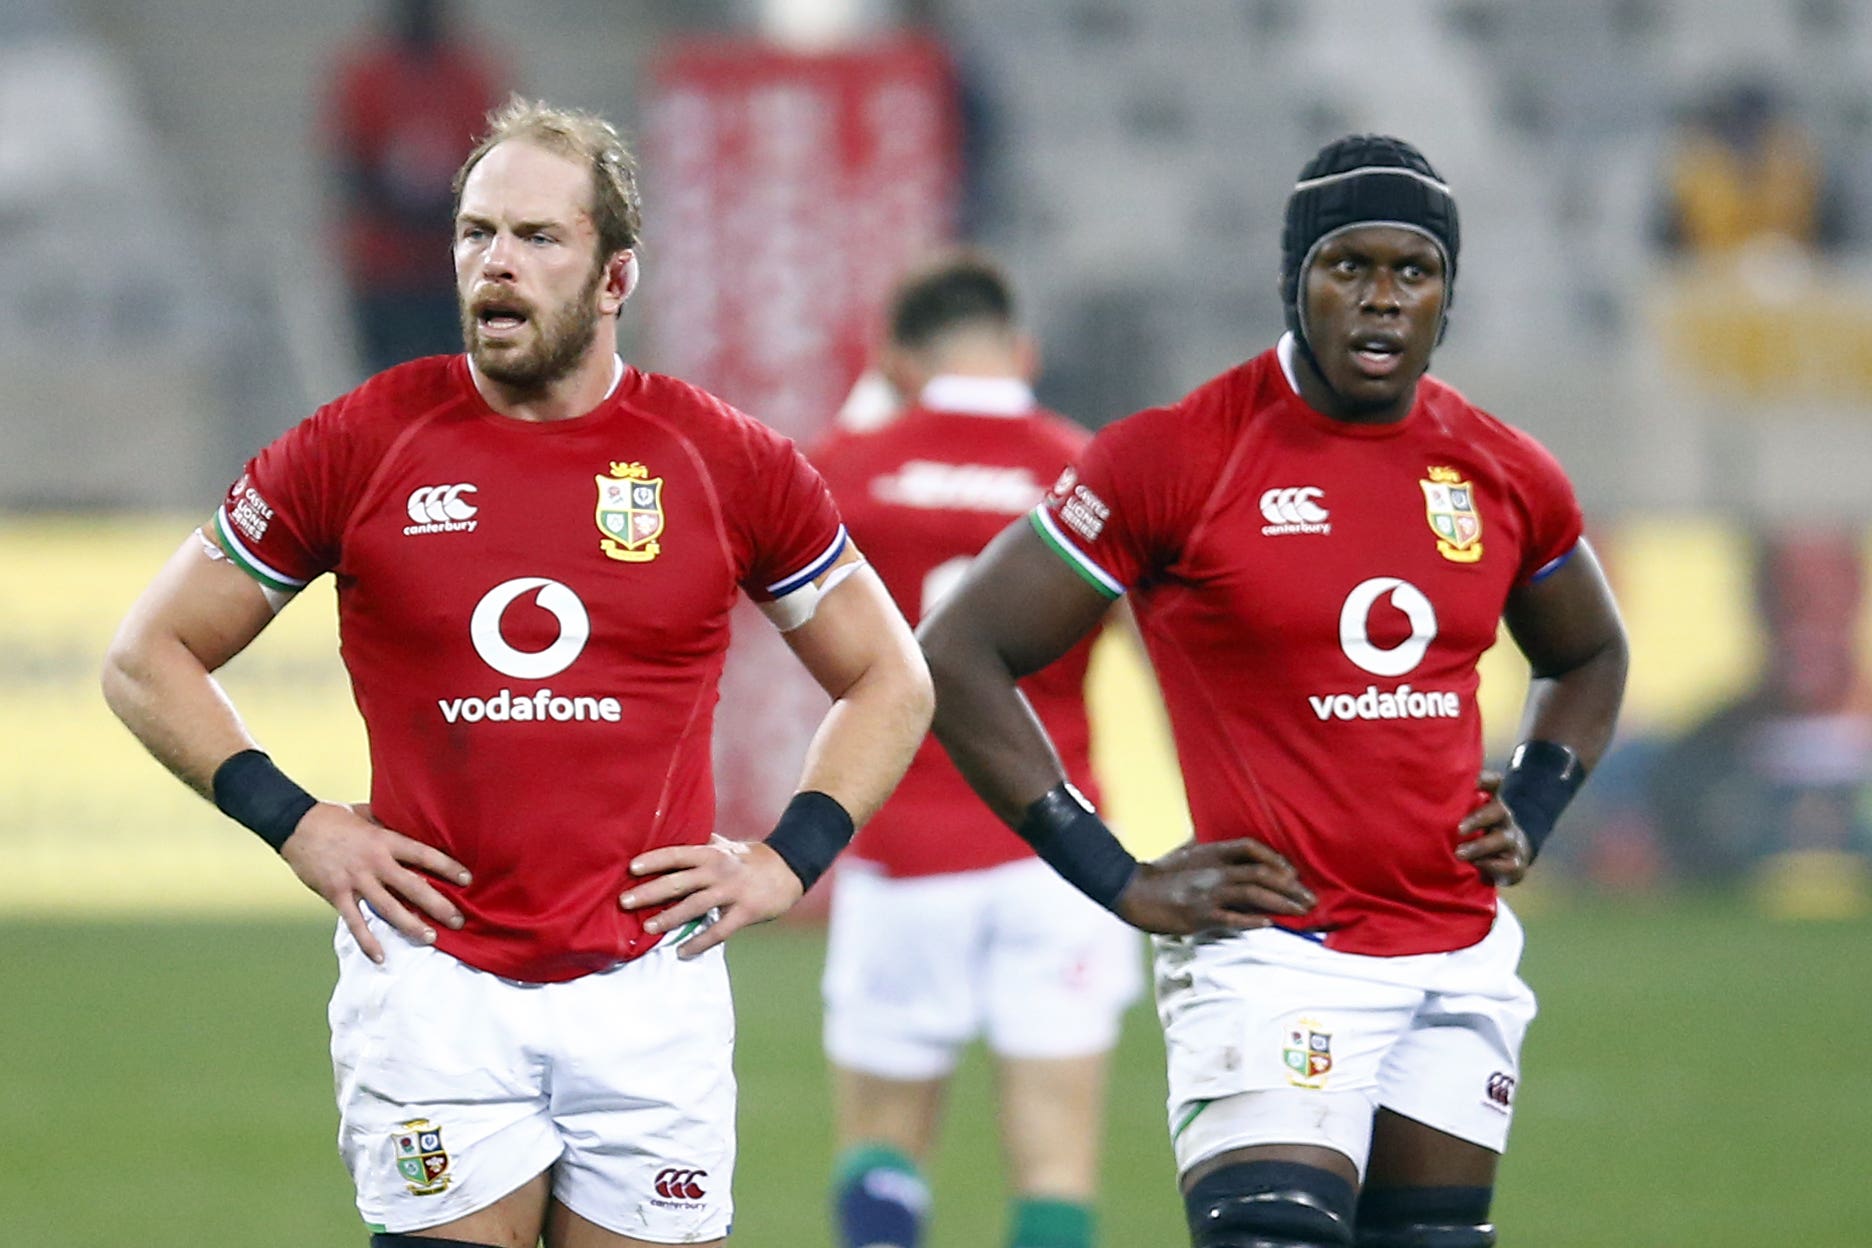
(1747, 170)
(1782, 775)
(1772, 788)
(407, 98)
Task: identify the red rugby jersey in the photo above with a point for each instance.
(1314, 596)
(534, 618)
(922, 496)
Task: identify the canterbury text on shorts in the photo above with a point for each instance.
(456, 1086)
(918, 967)
(1320, 1039)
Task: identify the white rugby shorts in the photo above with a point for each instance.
(1271, 1038)
(917, 967)
(456, 1086)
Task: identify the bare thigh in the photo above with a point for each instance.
(1406, 1153)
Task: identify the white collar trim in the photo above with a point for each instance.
(1288, 351)
(980, 396)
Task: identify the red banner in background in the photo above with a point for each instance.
(785, 192)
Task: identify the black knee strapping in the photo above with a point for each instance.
(384, 1240)
(1270, 1204)
(1425, 1217)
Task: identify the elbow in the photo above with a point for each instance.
(918, 696)
(120, 676)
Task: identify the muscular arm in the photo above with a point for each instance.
(158, 678)
(158, 675)
(861, 652)
(1019, 608)
(857, 646)
(1568, 626)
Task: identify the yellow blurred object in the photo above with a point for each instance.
(1814, 884)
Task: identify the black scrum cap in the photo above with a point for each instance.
(1364, 179)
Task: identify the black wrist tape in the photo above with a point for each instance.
(1542, 778)
(811, 831)
(1069, 836)
(254, 793)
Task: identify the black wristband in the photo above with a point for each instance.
(254, 793)
(811, 831)
(1542, 778)
(1069, 836)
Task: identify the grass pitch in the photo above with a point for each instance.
(1699, 1076)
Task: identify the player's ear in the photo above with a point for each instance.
(1027, 356)
(621, 273)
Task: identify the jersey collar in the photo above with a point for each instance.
(977, 396)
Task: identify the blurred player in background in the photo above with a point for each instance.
(406, 102)
(537, 548)
(944, 925)
(1320, 544)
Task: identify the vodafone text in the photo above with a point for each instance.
(1405, 703)
(508, 707)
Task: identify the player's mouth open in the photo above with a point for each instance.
(498, 320)
(1377, 355)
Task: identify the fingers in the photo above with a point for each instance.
(1261, 899)
(1500, 841)
(1489, 815)
(667, 887)
(1489, 781)
(1242, 849)
(673, 858)
(390, 908)
(710, 936)
(417, 890)
(360, 930)
(430, 859)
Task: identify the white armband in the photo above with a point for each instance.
(788, 613)
(275, 598)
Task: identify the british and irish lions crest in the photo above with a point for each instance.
(1450, 506)
(1307, 1055)
(630, 513)
(420, 1157)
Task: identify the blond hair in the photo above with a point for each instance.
(583, 137)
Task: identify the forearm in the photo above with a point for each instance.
(1578, 708)
(173, 705)
(866, 740)
(988, 729)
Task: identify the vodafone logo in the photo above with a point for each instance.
(574, 629)
(1355, 626)
(441, 509)
(1371, 702)
(1294, 509)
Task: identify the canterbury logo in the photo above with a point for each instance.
(1292, 509)
(441, 509)
(679, 1184)
(1501, 1086)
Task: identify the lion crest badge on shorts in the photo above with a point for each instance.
(1450, 506)
(1307, 1055)
(420, 1157)
(630, 513)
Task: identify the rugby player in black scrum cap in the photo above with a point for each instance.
(1318, 546)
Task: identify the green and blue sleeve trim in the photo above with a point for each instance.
(250, 563)
(1098, 578)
